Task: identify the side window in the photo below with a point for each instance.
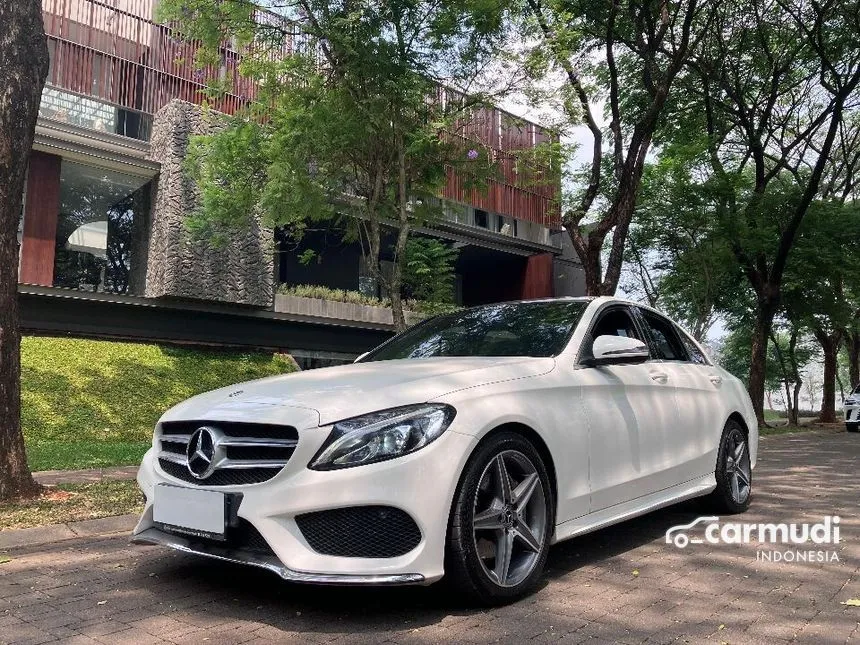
(615, 322)
(666, 343)
(695, 354)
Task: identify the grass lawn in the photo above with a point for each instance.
(766, 432)
(94, 403)
(772, 415)
(73, 502)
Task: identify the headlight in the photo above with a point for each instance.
(382, 435)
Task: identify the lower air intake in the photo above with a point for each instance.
(360, 532)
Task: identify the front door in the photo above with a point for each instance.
(631, 414)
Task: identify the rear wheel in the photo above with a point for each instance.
(501, 522)
(733, 472)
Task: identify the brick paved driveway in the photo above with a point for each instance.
(105, 591)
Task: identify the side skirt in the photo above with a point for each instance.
(634, 508)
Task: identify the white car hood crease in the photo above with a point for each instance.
(345, 391)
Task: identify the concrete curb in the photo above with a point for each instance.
(38, 535)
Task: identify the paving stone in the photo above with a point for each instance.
(50, 592)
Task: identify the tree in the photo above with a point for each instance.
(429, 272)
(630, 55)
(354, 121)
(23, 69)
(824, 265)
(792, 353)
(788, 354)
(676, 255)
(773, 82)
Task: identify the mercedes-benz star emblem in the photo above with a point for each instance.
(201, 452)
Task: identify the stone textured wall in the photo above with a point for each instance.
(241, 272)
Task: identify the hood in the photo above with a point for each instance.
(336, 393)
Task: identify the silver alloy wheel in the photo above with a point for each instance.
(738, 466)
(509, 518)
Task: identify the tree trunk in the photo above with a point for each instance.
(23, 68)
(589, 258)
(402, 236)
(830, 346)
(786, 375)
(758, 355)
(794, 416)
(796, 420)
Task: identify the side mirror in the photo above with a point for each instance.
(615, 350)
(360, 357)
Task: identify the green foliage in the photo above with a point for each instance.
(430, 308)
(678, 255)
(343, 118)
(429, 272)
(822, 277)
(307, 256)
(335, 295)
(734, 356)
(89, 403)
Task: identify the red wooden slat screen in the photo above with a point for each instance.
(113, 51)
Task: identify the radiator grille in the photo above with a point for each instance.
(233, 453)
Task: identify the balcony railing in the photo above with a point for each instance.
(114, 67)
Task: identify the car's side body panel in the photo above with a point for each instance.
(553, 409)
(630, 418)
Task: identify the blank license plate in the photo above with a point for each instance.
(198, 512)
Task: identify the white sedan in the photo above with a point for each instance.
(462, 447)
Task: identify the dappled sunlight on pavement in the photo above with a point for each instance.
(623, 584)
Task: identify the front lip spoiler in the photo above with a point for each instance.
(155, 536)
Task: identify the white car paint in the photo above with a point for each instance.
(851, 408)
(624, 440)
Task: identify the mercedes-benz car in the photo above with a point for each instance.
(463, 447)
(851, 409)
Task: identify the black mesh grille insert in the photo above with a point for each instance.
(360, 532)
(224, 477)
(256, 453)
(244, 537)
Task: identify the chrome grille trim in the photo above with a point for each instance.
(235, 449)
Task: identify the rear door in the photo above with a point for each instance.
(697, 395)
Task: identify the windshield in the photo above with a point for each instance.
(509, 329)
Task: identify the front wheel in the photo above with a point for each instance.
(501, 522)
(852, 427)
(733, 472)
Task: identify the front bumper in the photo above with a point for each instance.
(160, 538)
(421, 484)
(852, 413)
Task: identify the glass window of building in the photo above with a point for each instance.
(101, 230)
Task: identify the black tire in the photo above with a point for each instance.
(726, 498)
(852, 427)
(466, 573)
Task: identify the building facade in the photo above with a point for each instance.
(103, 247)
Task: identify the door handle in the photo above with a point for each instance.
(716, 379)
(660, 377)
